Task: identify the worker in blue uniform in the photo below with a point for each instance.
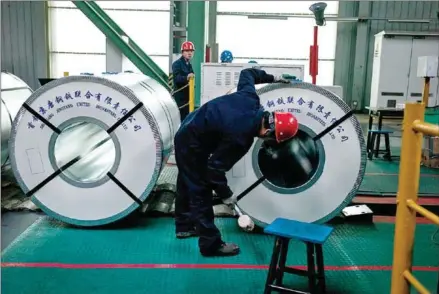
(208, 143)
(182, 71)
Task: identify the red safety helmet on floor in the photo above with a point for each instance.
(285, 126)
(187, 46)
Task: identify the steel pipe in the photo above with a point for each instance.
(89, 149)
(14, 93)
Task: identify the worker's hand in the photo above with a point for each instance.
(230, 201)
(285, 78)
(225, 194)
(189, 76)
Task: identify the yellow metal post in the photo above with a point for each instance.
(66, 73)
(426, 92)
(408, 186)
(191, 94)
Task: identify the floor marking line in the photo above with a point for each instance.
(196, 266)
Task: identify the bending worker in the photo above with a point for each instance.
(208, 143)
(182, 71)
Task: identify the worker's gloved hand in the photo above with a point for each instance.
(191, 75)
(225, 194)
(284, 78)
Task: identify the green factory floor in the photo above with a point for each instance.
(144, 257)
(381, 178)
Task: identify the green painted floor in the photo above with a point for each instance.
(381, 178)
(358, 260)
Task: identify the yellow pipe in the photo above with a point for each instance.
(426, 128)
(424, 212)
(408, 187)
(66, 73)
(191, 94)
(415, 283)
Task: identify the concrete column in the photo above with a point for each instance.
(113, 57)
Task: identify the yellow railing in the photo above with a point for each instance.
(408, 186)
(191, 94)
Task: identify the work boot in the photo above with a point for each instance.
(226, 249)
(184, 235)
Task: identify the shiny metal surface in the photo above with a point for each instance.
(84, 136)
(14, 93)
(133, 156)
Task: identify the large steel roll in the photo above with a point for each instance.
(336, 162)
(14, 93)
(90, 149)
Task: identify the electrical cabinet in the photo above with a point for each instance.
(394, 73)
(218, 79)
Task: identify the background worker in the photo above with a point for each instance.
(182, 71)
(208, 143)
(226, 56)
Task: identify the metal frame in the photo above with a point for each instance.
(408, 186)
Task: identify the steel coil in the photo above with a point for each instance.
(314, 191)
(14, 93)
(90, 149)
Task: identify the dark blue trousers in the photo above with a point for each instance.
(194, 199)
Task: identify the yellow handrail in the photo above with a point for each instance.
(415, 283)
(191, 94)
(425, 128)
(408, 186)
(424, 212)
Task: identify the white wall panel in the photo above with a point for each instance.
(23, 40)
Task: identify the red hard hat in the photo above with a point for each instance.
(187, 46)
(285, 126)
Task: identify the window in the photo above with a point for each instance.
(76, 64)
(77, 45)
(274, 38)
(150, 30)
(273, 6)
(162, 61)
(266, 40)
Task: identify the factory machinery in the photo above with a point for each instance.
(89, 150)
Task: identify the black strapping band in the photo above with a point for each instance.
(124, 188)
(249, 189)
(334, 125)
(41, 118)
(62, 168)
(124, 118)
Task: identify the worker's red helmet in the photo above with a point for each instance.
(284, 125)
(187, 46)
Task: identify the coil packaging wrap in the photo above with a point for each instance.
(14, 94)
(86, 114)
(339, 168)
